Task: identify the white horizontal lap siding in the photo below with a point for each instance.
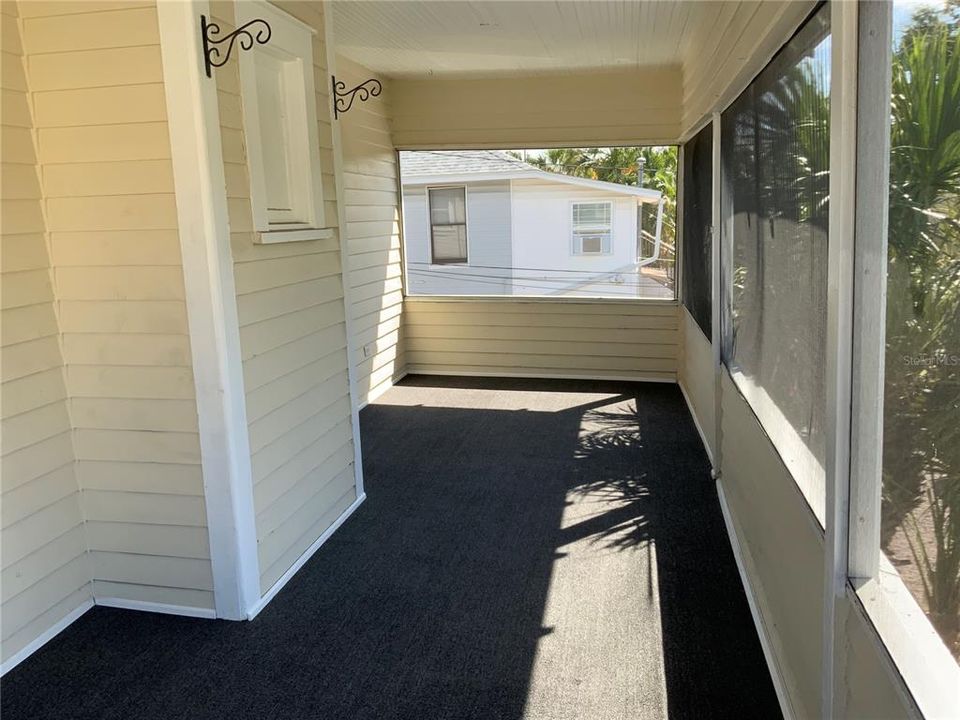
(586, 109)
(542, 227)
(292, 341)
(781, 545)
(489, 244)
(45, 570)
(546, 338)
(372, 237)
(112, 222)
(696, 375)
(734, 41)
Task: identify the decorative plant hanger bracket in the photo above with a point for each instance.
(212, 54)
(343, 98)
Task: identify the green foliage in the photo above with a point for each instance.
(921, 488)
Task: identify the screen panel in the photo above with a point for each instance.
(696, 232)
(776, 175)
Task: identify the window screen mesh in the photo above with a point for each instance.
(695, 258)
(775, 148)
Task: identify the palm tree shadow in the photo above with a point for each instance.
(611, 441)
(642, 462)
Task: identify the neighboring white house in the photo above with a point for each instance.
(486, 223)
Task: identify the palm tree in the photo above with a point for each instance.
(921, 485)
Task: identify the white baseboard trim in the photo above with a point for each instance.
(155, 607)
(45, 637)
(307, 554)
(415, 370)
(696, 423)
(743, 562)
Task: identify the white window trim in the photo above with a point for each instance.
(280, 236)
(919, 655)
(466, 223)
(844, 150)
(575, 246)
(297, 41)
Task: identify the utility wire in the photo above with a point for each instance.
(520, 267)
(534, 283)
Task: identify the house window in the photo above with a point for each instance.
(592, 228)
(280, 125)
(448, 225)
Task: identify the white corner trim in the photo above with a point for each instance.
(163, 608)
(195, 144)
(696, 422)
(743, 563)
(839, 366)
(301, 561)
(45, 637)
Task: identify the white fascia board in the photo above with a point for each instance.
(461, 178)
(643, 195)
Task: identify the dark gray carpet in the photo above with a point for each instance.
(528, 549)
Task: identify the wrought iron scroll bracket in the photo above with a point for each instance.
(343, 98)
(214, 55)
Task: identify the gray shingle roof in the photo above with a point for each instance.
(441, 162)
(418, 167)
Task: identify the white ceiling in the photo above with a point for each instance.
(409, 38)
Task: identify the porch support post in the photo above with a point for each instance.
(193, 119)
(839, 350)
(716, 293)
(870, 286)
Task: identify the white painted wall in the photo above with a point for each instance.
(46, 574)
(695, 373)
(543, 236)
(518, 230)
(112, 236)
(372, 238)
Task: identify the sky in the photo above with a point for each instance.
(903, 10)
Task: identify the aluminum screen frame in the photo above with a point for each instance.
(696, 290)
(775, 162)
